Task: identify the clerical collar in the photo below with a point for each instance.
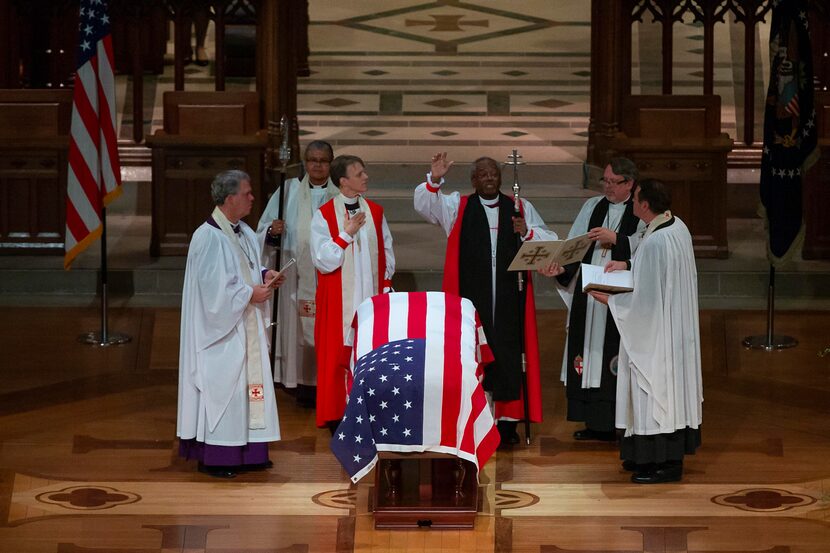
(493, 202)
(212, 222)
(316, 186)
(660, 220)
(352, 204)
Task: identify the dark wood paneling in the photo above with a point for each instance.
(817, 188)
(204, 133)
(677, 140)
(34, 125)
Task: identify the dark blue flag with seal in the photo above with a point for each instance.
(790, 136)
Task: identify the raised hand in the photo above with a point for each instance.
(440, 166)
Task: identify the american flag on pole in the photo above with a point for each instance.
(416, 361)
(94, 176)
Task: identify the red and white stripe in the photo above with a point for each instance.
(94, 175)
(457, 418)
(792, 106)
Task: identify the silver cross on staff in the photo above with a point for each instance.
(514, 159)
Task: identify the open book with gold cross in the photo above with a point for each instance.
(539, 254)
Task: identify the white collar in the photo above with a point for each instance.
(489, 203)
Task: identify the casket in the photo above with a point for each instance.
(416, 410)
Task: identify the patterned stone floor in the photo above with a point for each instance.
(394, 81)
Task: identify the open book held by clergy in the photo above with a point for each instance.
(539, 254)
(595, 278)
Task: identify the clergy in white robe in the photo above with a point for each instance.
(227, 411)
(295, 365)
(351, 247)
(659, 383)
(589, 363)
(482, 241)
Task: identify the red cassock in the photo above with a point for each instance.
(510, 409)
(332, 356)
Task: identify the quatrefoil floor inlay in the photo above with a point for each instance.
(763, 500)
(88, 498)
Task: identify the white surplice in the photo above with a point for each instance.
(595, 312)
(328, 256)
(659, 382)
(213, 387)
(295, 361)
(442, 209)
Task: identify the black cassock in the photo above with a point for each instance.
(595, 406)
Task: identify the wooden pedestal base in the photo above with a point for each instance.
(424, 490)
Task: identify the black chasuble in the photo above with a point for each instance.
(595, 406)
(503, 331)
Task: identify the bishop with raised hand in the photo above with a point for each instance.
(481, 229)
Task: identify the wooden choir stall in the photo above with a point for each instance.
(204, 133)
(34, 141)
(678, 140)
(817, 187)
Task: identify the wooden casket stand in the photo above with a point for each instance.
(433, 490)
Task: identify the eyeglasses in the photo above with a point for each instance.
(319, 161)
(603, 180)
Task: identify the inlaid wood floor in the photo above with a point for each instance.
(88, 458)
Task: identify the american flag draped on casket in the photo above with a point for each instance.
(416, 360)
